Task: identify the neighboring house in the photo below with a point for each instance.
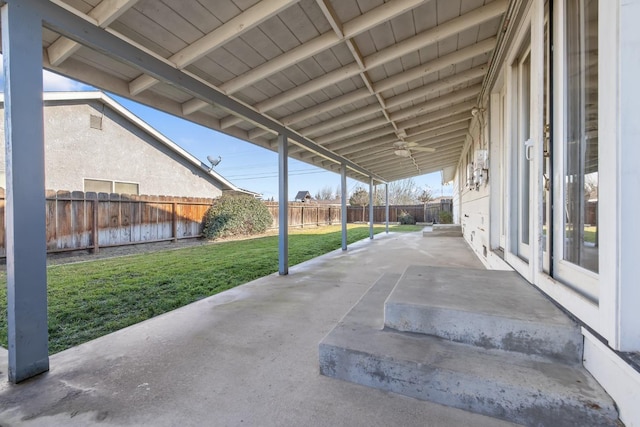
(92, 143)
(303, 196)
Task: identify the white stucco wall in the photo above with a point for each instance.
(474, 206)
(120, 151)
(474, 202)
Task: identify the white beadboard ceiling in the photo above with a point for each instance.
(353, 76)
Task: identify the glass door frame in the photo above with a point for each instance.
(577, 278)
(524, 41)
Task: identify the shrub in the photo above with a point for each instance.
(406, 218)
(235, 215)
(445, 217)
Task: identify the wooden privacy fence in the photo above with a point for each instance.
(306, 214)
(420, 213)
(77, 220)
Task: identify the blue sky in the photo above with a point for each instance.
(244, 164)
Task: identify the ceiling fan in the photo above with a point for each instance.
(403, 148)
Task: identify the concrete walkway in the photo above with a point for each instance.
(246, 357)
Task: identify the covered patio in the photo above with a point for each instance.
(248, 356)
(519, 103)
(377, 91)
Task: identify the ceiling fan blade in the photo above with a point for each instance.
(424, 149)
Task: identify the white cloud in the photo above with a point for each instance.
(52, 81)
(56, 82)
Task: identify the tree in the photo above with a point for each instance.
(359, 197)
(425, 197)
(403, 192)
(325, 193)
(378, 196)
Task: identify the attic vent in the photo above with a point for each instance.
(95, 122)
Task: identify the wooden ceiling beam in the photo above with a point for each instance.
(104, 13)
(426, 38)
(226, 32)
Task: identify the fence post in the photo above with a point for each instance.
(174, 221)
(96, 245)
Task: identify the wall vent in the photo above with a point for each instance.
(95, 122)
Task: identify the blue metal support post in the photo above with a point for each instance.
(386, 207)
(283, 205)
(371, 207)
(25, 209)
(343, 202)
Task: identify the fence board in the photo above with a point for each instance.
(114, 219)
(64, 228)
(125, 221)
(145, 222)
(104, 221)
(78, 225)
(51, 218)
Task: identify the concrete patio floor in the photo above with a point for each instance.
(246, 357)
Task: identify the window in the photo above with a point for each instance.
(97, 186)
(581, 136)
(105, 186)
(125, 188)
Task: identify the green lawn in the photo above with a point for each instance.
(590, 234)
(91, 299)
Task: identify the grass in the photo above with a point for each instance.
(590, 234)
(90, 299)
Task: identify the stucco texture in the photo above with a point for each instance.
(119, 151)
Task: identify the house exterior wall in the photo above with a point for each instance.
(475, 198)
(488, 212)
(119, 151)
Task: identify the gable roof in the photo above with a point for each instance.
(303, 195)
(86, 96)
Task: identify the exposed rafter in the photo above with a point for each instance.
(428, 127)
(436, 103)
(422, 120)
(380, 86)
(365, 157)
(243, 22)
(427, 38)
(435, 142)
(385, 160)
(387, 130)
(104, 14)
(431, 105)
(323, 42)
(437, 115)
(352, 130)
(416, 98)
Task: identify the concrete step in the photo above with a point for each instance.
(485, 308)
(529, 390)
(442, 230)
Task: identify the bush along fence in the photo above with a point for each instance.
(80, 221)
